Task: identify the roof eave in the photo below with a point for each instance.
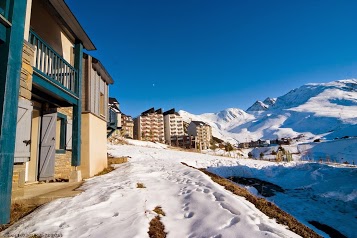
(68, 17)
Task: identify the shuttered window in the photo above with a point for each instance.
(23, 131)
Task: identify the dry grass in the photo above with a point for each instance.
(159, 211)
(18, 211)
(105, 171)
(156, 228)
(112, 160)
(268, 208)
(117, 140)
(117, 160)
(35, 236)
(140, 185)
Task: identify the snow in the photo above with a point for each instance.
(112, 205)
(313, 109)
(338, 151)
(146, 144)
(313, 192)
(194, 205)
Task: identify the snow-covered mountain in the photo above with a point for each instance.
(221, 122)
(326, 110)
(260, 106)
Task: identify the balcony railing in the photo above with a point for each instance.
(50, 64)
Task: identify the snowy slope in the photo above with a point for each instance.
(326, 110)
(112, 206)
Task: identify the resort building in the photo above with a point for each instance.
(173, 125)
(150, 126)
(127, 126)
(202, 132)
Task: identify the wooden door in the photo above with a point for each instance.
(47, 147)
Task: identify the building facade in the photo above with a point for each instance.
(150, 126)
(127, 126)
(202, 133)
(94, 116)
(173, 125)
(42, 92)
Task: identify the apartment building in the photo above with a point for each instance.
(202, 132)
(150, 126)
(173, 125)
(127, 126)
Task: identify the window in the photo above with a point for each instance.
(101, 105)
(61, 133)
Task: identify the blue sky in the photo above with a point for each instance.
(205, 56)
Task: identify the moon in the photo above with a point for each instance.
(153, 85)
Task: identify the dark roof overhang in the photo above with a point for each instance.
(72, 23)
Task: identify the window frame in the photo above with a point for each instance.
(63, 133)
(102, 106)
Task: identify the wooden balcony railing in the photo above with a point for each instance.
(50, 64)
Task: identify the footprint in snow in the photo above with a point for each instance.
(218, 196)
(185, 209)
(229, 208)
(188, 214)
(63, 225)
(116, 214)
(231, 222)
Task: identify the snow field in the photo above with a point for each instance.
(112, 205)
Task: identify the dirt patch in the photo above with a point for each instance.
(111, 161)
(333, 233)
(159, 211)
(117, 160)
(157, 228)
(264, 188)
(140, 185)
(268, 208)
(105, 171)
(18, 211)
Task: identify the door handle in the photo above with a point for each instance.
(27, 142)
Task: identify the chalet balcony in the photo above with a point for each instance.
(51, 66)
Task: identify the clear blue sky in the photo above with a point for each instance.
(205, 56)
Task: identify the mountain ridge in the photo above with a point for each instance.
(314, 110)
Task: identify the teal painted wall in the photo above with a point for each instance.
(77, 109)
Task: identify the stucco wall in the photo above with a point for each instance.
(94, 145)
(50, 31)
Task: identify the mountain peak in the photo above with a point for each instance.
(257, 107)
(269, 101)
